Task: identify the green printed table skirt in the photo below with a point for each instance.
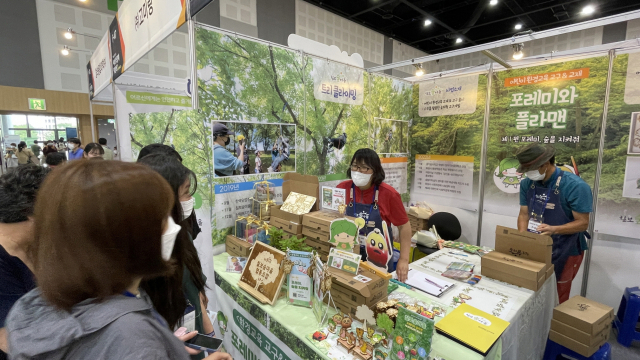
(252, 330)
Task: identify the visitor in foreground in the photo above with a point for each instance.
(376, 201)
(17, 197)
(556, 203)
(89, 264)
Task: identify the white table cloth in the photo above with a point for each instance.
(529, 312)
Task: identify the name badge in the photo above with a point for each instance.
(363, 239)
(189, 321)
(533, 226)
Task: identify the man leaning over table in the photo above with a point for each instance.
(556, 203)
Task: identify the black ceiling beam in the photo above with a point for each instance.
(497, 21)
(372, 8)
(537, 27)
(435, 20)
(433, 13)
(519, 11)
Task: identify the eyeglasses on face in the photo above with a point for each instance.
(362, 169)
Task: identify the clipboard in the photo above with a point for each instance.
(432, 285)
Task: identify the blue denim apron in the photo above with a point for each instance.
(545, 205)
(373, 220)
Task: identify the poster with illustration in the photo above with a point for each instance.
(378, 246)
(632, 178)
(634, 134)
(411, 338)
(344, 233)
(506, 176)
(235, 264)
(298, 281)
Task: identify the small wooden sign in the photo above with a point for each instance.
(263, 275)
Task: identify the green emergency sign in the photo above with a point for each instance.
(37, 104)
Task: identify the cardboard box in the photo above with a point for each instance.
(587, 315)
(311, 233)
(550, 270)
(237, 247)
(286, 225)
(580, 336)
(355, 293)
(323, 256)
(287, 235)
(321, 220)
(302, 184)
(524, 244)
(571, 344)
(319, 245)
(514, 270)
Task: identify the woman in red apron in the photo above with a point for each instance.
(370, 198)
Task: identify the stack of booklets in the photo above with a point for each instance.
(472, 328)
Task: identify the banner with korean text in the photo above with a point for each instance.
(337, 83)
(558, 105)
(139, 26)
(99, 67)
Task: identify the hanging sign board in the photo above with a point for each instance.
(632, 88)
(139, 26)
(448, 96)
(99, 67)
(337, 82)
(444, 175)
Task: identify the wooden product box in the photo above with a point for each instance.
(302, 184)
(288, 235)
(579, 335)
(550, 270)
(315, 234)
(318, 245)
(587, 315)
(574, 345)
(237, 247)
(321, 220)
(286, 225)
(346, 290)
(514, 270)
(525, 244)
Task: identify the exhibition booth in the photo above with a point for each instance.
(284, 286)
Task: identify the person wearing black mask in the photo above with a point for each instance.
(224, 163)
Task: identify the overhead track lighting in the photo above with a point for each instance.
(419, 69)
(518, 26)
(493, 2)
(458, 40)
(517, 51)
(65, 50)
(427, 22)
(588, 10)
(69, 33)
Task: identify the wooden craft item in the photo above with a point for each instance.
(298, 204)
(263, 274)
(363, 351)
(379, 247)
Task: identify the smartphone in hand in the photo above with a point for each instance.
(203, 342)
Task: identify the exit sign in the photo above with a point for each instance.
(37, 104)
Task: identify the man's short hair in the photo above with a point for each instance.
(55, 158)
(75, 141)
(102, 141)
(18, 191)
(159, 148)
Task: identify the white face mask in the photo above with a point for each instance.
(187, 207)
(360, 179)
(169, 238)
(71, 146)
(535, 175)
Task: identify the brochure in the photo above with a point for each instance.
(345, 261)
(236, 264)
(298, 281)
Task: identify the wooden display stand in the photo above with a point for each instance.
(357, 351)
(345, 343)
(263, 275)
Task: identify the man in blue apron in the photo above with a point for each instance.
(556, 203)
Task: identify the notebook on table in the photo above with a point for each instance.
(472, 328)
(432, 285)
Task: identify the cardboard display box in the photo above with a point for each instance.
(514, 270)
(286, 235)
(237, 247)
(550, 270)
(576, 346)
(321, 220)
(580, 336)
(587, 315)
(319, 245)
(348, 291)
(315, 234)
(526, 245)
(302, 184)
(286, 225)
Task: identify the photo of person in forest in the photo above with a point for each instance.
(252, 138)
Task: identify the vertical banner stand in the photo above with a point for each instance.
(483, 157)
(596, 185)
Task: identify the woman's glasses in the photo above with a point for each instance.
(362, 169)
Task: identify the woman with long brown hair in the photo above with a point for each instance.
(89, 264)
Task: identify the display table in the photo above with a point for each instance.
(529, 312)
(255, 331)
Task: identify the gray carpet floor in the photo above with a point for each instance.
(619, 352)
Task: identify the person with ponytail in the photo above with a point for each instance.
(24, 154)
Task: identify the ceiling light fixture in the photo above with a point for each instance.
(69, 33)
(518, 26)
(419, 69)
(458, 40)
(517, 51)
(493, 2)
(65, 50)
(427, 22)
(588, 10)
